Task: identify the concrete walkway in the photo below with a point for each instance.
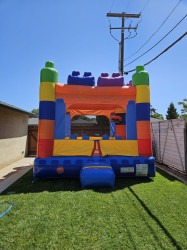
(12, 172)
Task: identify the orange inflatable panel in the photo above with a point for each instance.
(45, 148)
(121, 131)
(46, 129)
(143, 130)
(145, 147)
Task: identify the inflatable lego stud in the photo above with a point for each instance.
(49, 73)
(141, 77)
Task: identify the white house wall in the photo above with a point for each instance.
(13, 136)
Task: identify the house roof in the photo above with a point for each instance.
(11, 107)
(81, 121)
(33, 121)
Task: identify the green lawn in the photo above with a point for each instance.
(58, 214)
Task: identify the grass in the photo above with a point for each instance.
(58, 214)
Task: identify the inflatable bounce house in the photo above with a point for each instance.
(96, 160)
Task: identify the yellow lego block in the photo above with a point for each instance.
(47, 91)
(142, 94)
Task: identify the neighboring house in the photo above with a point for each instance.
(13, 133)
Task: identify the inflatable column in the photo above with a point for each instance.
(131, 130)
(141, 80)
(112, 128)
(48, 79)
(60, 115)
(68, 125)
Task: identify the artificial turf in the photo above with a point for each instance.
(57, 214)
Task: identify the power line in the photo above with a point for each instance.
(169, 47)
(155, 31)
(157, 42)
(145, 6)
(127, 5)
(111, 32)
(112, 5)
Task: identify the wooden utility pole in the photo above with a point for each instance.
(123, 15)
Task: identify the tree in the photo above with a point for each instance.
(156, 115)
(102, 120)
(172, 112)
(184, 109)
(83, 117)
(35, 112)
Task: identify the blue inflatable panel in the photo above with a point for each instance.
(71, 166)
(97, 175)
(58, 167)
(60, 115)
(46, 110)
(68, 125)
(75, 79)
(131, 130)
(112, 128)
(143, 111)
(127, 166)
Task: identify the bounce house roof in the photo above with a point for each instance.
(85, 100)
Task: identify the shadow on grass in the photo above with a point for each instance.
(166, 175)
(25, 185)
(122, 183)
(157, 221)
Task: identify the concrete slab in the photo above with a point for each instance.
(14, 171)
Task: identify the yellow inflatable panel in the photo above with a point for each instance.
(47, 91)
(119, 147)
(142, 94)
(73, 147)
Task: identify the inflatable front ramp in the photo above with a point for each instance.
(96, 174)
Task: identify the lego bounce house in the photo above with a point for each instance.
(97, 161)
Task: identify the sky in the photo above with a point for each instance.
(75, 35)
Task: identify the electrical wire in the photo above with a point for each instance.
(169, 47)
(112, 5)
(130, 37)
(110, 22)
(128, 3)
(157, 42)
(155, 31)
(111, 32)
(145, 6)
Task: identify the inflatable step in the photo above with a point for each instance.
(97, 175)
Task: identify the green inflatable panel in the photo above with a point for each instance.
(141, 77)
(49, 73)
